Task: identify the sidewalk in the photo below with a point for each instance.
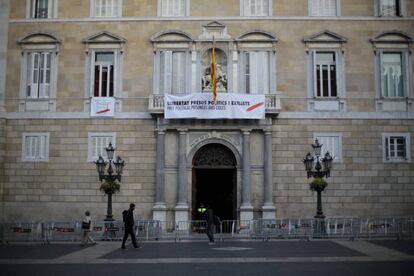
(200, 252)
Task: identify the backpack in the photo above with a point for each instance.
(86, 225)
(125, 215)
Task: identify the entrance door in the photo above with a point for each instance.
(214, 181)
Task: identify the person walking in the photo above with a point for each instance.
(209, 215)
(128, 217)
(86, 230)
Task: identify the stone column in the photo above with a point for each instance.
(159, 209)
(4, 34)
(268, 206)
(181, 209)
(246, 208)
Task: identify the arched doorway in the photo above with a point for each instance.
(215, 181)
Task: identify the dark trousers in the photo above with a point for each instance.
(210, 232)
(129, 230)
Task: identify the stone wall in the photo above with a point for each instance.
(68, 184)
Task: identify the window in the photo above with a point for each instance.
(393, 68)
(396, 147)
(41, 8)
(38, 74)
(172, 8)
(390, 7)
(256, 7)
(35, 147)
(256, 72)
(172, 69)
(103, 85)
(103, 69)
(392, 77)
(97, 142)
(325, 74)
(106, 8)
(324, 7)
(332, 143)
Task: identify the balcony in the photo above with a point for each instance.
(156, 104)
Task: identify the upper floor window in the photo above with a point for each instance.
(35, 147)
(38, 74)
(390, 7)
(392, 77)
(257, 62)
(325, 71)
(171, 8)
(324, 7)
(104, 65)
(41, 8)
(172, 72)
(256, 7)
(172, 62)
(396, 147)
(257, 72)
(103, 79)
(392, 71)
(325, 79)
(38, 79)
(106, 8)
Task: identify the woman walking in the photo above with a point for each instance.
(86, 229)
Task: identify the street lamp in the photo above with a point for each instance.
(109, 184)
(318, 171)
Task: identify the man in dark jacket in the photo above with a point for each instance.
(129, 226)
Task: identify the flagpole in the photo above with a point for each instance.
(214, 71)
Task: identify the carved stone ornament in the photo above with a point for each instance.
(214, 155)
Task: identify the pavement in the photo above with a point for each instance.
(281, 257)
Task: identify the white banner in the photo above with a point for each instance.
(102, 107)
(201, 106)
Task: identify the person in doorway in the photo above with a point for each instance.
(209, 215)
(128, 217)
(86, 230)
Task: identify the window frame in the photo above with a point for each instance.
(52, 10)
(271, 58)
(186, 8)
(93, 4)
(336, 158)
(29, 44)
(337, 10)
(400, 11)
(407, 139)
(91, 136)
(161, 73)
(244, 12)
(38, 135)
(405, 63)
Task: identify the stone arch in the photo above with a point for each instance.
(231, 147)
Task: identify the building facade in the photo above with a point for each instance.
(338, 71)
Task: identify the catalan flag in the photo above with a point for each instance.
(213, 72)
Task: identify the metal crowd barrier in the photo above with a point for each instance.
(21, 232)
(299, 228)
(148, 229)
(61, 231)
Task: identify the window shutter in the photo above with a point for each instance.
(315, 4)
(166, 71)
(44, 86)
(178, 64)
(253, 72)
(387, 148)
(34, 59)
(247, 7)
